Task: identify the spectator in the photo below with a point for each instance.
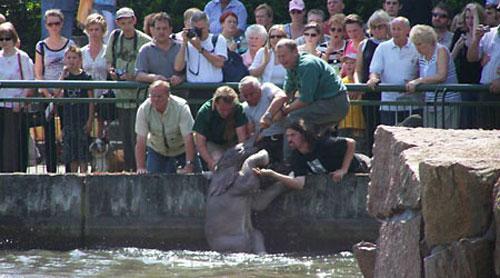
(121, 54)
(395, 62)
(312, 34)
(77, 118)
(334, 156)
(484, 47)
(353, 125)
(187, 22)
(354, 29)
(256, 36)
(234, 41)
(264, 15)
(333, 51)
(441, 15)
(379, 26)
(219, 124)
(93, 54)
(107, 8)
(203, 59)
(295, 28)
(15, 65)
(334, 7)
(67, 9)
(215, 8)
(318, 16)
(316, 92)
(147, 24)
(2, 18)
(435, 67)
(49, 57)
(156, 59)
(392, 7)
(492, 14)
(495, 85)
(262, 102)
(265, 66)
(467, 72)
(163, 127)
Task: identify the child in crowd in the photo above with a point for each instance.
(353, 124)
(77, 117)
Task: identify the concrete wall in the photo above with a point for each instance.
(167, 211)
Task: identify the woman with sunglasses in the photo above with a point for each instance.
(295, 28)
(265, 66)
(15, 65)
(312, 35)
(49, 65)
(333, 50)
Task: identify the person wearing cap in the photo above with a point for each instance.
(121, 54)
(492, 13)
(215, 8)
(484, 48)
(295, 29)
(316, 93)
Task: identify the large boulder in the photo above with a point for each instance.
(467, 258)
(365, 254)
(398, 253)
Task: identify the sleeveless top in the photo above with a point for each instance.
(52, 59)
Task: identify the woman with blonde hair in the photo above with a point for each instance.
(265, 66)
(435, 67)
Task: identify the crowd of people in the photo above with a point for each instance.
(291, 82)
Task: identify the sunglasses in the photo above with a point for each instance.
(340, 30)
(57, 23)
(5, 39)
(276, 37)
(439, 15)
(312, 35)
(296, 11)
(388, 3)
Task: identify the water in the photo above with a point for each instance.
(135, 262)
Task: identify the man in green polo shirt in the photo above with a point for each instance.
(316, 92)
(164, 125)
(220, 124)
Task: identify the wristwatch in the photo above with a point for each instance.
(202, 50)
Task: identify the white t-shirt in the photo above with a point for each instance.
(490, 45)
(97, 68)
(198, 68)
(255, 113)
(272, 73)
(396, 66)
(11, 71)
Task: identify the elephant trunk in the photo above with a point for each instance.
(258, 159)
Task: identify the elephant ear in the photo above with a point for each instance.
(222, 180)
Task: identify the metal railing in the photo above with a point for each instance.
(41, 130)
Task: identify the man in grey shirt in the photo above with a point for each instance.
(262, 101)
(156, 59)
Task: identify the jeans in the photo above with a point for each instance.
(158, 163)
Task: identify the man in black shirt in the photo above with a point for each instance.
(327, 155)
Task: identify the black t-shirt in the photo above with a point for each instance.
(77, 113)
(326, 156)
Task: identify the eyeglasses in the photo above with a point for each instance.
(340, 30)
(296, 11)
(439, 15)
(5, 39)
(57, 23)
(312, 35)
(276, 37)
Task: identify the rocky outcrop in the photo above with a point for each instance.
(433, 191)
(365, 253)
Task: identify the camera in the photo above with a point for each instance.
(194, 32)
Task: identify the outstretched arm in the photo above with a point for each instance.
(288, 181)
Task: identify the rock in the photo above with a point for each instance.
(456, 194)
(496, 212)
(398, 253)
(467, 258)
(365, 254)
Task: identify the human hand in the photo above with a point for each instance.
(412, 85)
(211, 165)
(87, 128)
(187, 169)
(262, 172)
(196, 42)
(373, 82)
(176, 80)
(337, 175)
(142, 171)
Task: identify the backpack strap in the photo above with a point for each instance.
(115, 36)
(20, 65)
(214, 41)
(42, 53)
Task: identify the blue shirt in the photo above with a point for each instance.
(214, 10)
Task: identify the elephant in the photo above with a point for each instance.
(233, 193)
